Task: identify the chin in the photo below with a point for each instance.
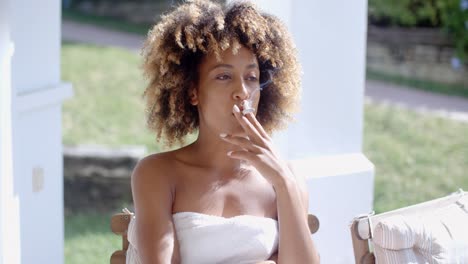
(236, 130)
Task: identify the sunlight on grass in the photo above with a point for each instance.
(88, 238)
(107, 107)
(417, 157)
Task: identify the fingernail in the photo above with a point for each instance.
(229, 153)
(236, 109)
(223, 135)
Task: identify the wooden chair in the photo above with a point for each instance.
(120, 222)
(119, 225)
(362, 226)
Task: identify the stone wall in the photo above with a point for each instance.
(97, 178)
(425, 54)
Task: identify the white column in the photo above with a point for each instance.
(9, 202)
(31, 212)
(325, 145)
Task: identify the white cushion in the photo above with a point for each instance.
(438, 236)
(407, 256)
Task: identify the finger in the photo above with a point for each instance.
(253, 120)
(253, 134)
(241, 142)
(242, 155)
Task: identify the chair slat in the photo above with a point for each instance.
(360, 246)
(118, 257)
(119, 223)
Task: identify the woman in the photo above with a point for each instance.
(227, 197)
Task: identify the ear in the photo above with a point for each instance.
(193, 95)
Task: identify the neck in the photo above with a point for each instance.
(212, 151)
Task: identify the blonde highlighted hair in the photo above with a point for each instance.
(175, 46)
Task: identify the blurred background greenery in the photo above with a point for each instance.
(450, 15)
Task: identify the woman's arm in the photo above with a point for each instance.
(152, 196)
(295, 241)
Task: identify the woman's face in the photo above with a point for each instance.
(223, 84)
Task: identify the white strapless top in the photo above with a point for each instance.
(207, 239)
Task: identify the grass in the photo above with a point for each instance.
(88, 238)
(107, 107)
(417, 157)
(430, 86)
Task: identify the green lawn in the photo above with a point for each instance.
(107, 107)
(417, 157)
(88, 238)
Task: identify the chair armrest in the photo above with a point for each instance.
(313, 223)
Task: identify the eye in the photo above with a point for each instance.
(252, 78)
(223, 77)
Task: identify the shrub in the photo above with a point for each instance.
(451, 15)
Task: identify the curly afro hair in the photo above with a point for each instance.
(174, 49)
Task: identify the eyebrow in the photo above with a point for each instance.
(250, 66)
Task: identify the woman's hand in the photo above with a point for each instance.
(257, 149)
(292, 203)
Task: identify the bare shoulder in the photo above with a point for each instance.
(152, 180)
(153, 168)
(158, 174)
(157, 160)
(162, 169)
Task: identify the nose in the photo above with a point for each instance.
(241, 92)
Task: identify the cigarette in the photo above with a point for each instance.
(248, 110)
(247, 107)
